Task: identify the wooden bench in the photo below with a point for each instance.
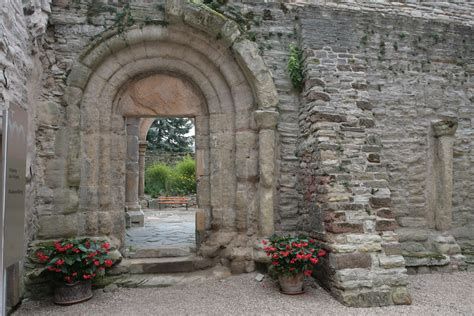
(173, 200)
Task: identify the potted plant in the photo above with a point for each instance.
(72, 264)
(292, 258)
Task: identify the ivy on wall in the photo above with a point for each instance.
(295, 67)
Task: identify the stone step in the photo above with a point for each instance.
(170, 279)
(159, 265)
(161, 252)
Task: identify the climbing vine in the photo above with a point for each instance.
(295, 67)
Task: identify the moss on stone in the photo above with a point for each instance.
(420, 255)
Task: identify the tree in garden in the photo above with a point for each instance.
(169, 134)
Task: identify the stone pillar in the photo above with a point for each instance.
(442, 175)
(142, 146)
(266, 123)
(135, 215)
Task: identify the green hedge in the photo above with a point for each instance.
(165, 180)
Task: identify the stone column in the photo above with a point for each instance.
(266, 123)
(135, 215)
(142, 146)
(442, 174)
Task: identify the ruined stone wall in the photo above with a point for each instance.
(403, 74)
(22, 27)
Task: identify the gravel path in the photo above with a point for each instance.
(435, 294)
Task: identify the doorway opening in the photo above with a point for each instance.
(166, 188)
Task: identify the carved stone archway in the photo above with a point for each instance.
(236, 140)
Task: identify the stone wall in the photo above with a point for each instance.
(23, 24)
(370, 154)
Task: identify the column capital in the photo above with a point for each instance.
(266, 119)
(444, 128)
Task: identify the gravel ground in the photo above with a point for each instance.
(433, 294)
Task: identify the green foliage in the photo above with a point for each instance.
(124, 19)
(164, 180)
(184, 181)
(157, 179)
(295, 67)
(169, 135)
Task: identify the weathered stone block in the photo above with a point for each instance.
(343, 227)
(350, 260)
(400, 296)
(386, 225)
(390, 262)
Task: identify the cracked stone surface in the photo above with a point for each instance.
(163, 228)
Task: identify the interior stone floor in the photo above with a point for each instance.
(163, 228)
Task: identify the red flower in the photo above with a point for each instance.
(275, 256)
(87, 243)
(307, 272)
(42, 257)
(87, 276)
(314, 260)
(292, 269)
(275, 263)
(74, 273)
(312, 241)
(293, 260)
(92, 254)
(106, 245)
(264, 241)
(321, 253)
(96, 262)
(60, 262)
(68, 279)
(108, 263)
(284, 253)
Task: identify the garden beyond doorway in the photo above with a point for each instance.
(170, 181)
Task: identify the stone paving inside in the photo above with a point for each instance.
(163, 228)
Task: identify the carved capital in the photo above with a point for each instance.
(142, 146)
(266, 119)
(444, 128)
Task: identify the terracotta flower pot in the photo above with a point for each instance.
(68, 294)
(291, 284)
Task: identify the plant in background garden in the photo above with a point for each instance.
(164, 180)
(292, 258)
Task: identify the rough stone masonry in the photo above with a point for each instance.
(374, 155)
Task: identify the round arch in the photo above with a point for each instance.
(236, 138)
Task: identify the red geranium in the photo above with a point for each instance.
(75, 259)
(293, 255)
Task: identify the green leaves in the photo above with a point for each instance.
(171, 135)
(295, 67)
(163, 179)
